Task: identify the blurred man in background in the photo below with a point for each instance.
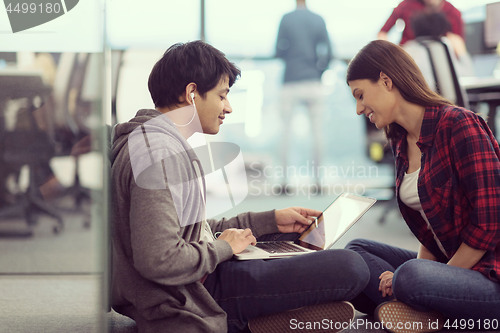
(304, 46)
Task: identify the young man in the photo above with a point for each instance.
(170, 274)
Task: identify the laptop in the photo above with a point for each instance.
(322, 234)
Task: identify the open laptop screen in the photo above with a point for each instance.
(335, 220)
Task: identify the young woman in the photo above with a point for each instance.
(448, 192)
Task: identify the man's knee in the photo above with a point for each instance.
(359, 270)
(358, 244)
(351, 267)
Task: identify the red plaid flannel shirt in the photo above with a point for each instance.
(458, 185)
(407, 8)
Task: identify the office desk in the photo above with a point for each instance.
(484, 90)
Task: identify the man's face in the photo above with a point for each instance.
(213, 108)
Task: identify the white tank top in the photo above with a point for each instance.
(408, 193)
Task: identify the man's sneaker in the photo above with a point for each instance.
(398, 317)
(327, 317)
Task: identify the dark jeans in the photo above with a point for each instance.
(254, 288)
(457, 293)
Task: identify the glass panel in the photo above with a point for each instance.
(53, 190)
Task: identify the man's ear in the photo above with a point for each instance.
(190, 88)
(386, 80)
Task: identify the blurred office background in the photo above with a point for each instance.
(83, 82)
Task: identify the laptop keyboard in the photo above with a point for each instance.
(278, 247)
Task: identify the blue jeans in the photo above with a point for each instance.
(254, 288)
(455, 292)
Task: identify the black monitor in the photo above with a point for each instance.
(8, 57)
(474, 38)
(491, 25)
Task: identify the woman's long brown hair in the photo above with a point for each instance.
(389, 58)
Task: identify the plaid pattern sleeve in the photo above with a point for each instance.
(476, 154)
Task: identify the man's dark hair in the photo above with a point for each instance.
(433, 25)
(183, 63)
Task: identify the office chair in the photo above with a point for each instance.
(76, 111)
(117, 57)
(32, 147)
(67, 104)
(444, 71)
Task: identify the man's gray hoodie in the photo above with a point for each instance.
(158, 258)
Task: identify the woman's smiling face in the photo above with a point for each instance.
(374, 100)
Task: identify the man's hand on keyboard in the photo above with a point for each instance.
(238, 239)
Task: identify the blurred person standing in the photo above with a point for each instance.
(407, 9)
(305, 47)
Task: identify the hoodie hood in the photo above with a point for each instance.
(158, 156)
(151, 138)
(121, 131)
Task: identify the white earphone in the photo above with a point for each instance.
(194, 112)
(192, 99)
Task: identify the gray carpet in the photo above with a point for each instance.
(57, 304)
